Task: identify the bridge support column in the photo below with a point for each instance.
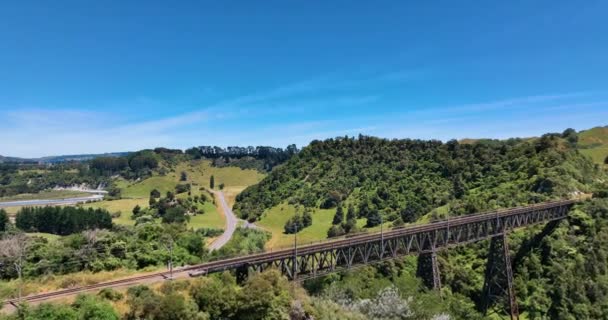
(428, 270)
(436, 274)
(499, 277)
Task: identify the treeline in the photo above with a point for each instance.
(262, 158)
(62, 220)
(405, 179)
(135, 164)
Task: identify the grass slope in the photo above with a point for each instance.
(124, 206)
(594, 143)
(275, 218)
(198, 174)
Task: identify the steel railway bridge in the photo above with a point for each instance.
(304, 262)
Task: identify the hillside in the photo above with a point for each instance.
(405, 179)
(594, 143)
(415, 180)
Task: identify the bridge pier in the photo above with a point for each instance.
(428, 270)
(436, 274)
(499, 277)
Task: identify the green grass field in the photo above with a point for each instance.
(142, 189)
(199, 172)
(274, 221)
(212, 218)
(124, 206)
(594, 143)
(275, 218)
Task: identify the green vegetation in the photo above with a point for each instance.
(85, 307)
(3, 220)
(408, 178)
(62, 220)
(298, 222)
(211, 218)
(341, 185)
(594, 143)
(121, 210)
(135, 248)
(274, 221)
(243, 241)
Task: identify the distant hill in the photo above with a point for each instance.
(594, 143)
(62, 158)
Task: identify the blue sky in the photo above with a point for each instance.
(88, 77)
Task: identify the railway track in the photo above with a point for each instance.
(233, 263)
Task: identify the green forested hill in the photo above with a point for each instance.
(561, 272)
(408, 178)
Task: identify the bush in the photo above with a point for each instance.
(181, 188)
(110, 294)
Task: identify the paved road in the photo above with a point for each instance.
(231, 222)
(51, 202)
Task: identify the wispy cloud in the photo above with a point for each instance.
(295, 113)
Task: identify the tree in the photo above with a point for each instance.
(570, 135)
(142, 302)
(339, 216)
(50, 311)
(606, 160)
(212, 182)
(218, 297)
(306, 219)
(335, 231)
(175, 307)
(459, 187)
(373, 219)
(351, 214)
(91, 308)
(183, 176)
(175, 215)
(264, 296)
(293, 225)
(137, 209)
(14, 248)
(221, 186)
(62, 220)
(170, 196)
(3, 220)
(154, 193)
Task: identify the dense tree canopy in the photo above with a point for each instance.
(408, 178)
(62, 220)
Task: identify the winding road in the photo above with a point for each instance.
(231, 222)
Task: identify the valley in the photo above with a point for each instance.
(167, 207)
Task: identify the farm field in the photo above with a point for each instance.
(124, 206)
(198, 173)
